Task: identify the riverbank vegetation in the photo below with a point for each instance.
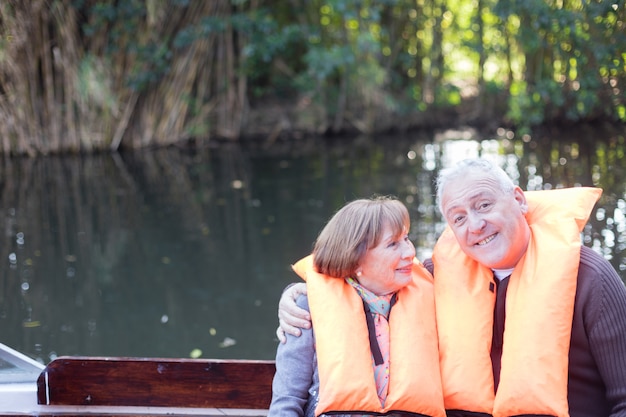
(92, 75)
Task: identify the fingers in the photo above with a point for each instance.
(286, 328)
(282, 338)
(297, 289)
(289, 311)
(291, 318)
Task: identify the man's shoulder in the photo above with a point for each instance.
(428, 264)
(591, 262)
(598, 281)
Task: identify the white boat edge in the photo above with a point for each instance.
(18, 393)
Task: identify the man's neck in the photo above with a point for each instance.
(502, 273)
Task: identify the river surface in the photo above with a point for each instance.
(180, 253)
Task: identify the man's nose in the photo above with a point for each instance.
(476, 223)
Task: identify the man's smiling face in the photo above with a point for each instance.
(487, 221)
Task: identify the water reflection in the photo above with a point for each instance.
(173, 253)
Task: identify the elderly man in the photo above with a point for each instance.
(530, 321)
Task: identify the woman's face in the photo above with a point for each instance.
(387, 267)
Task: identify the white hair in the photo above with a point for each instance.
(466, 167)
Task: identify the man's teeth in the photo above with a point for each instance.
(487, 240)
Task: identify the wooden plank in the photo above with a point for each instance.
(240, 384)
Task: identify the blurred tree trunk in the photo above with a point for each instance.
(437, 59)
(482, 54)
(62, 90)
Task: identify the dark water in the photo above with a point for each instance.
(174, 253)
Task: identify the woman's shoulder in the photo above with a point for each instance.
(303, 301)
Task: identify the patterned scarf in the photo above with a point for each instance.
(378, 307)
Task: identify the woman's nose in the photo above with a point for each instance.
(409, 249)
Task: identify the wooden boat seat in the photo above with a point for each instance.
(137, 382)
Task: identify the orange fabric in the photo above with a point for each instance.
(539, 310)
(343, 350)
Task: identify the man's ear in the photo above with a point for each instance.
(520, 197)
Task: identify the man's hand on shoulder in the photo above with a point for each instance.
(292, 318)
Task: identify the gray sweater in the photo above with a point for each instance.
(296, 383)
(295, 388)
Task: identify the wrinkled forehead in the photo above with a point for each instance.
(465, 190)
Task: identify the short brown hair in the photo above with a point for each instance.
(354, 229)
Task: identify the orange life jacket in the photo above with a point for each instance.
(539, 310)
(343, 350)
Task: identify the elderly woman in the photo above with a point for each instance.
(372, 348)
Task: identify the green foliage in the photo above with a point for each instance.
(524, 108)
(117, 23)
(208, 26)
(393, 46)
(358, 61)
(572, 59)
